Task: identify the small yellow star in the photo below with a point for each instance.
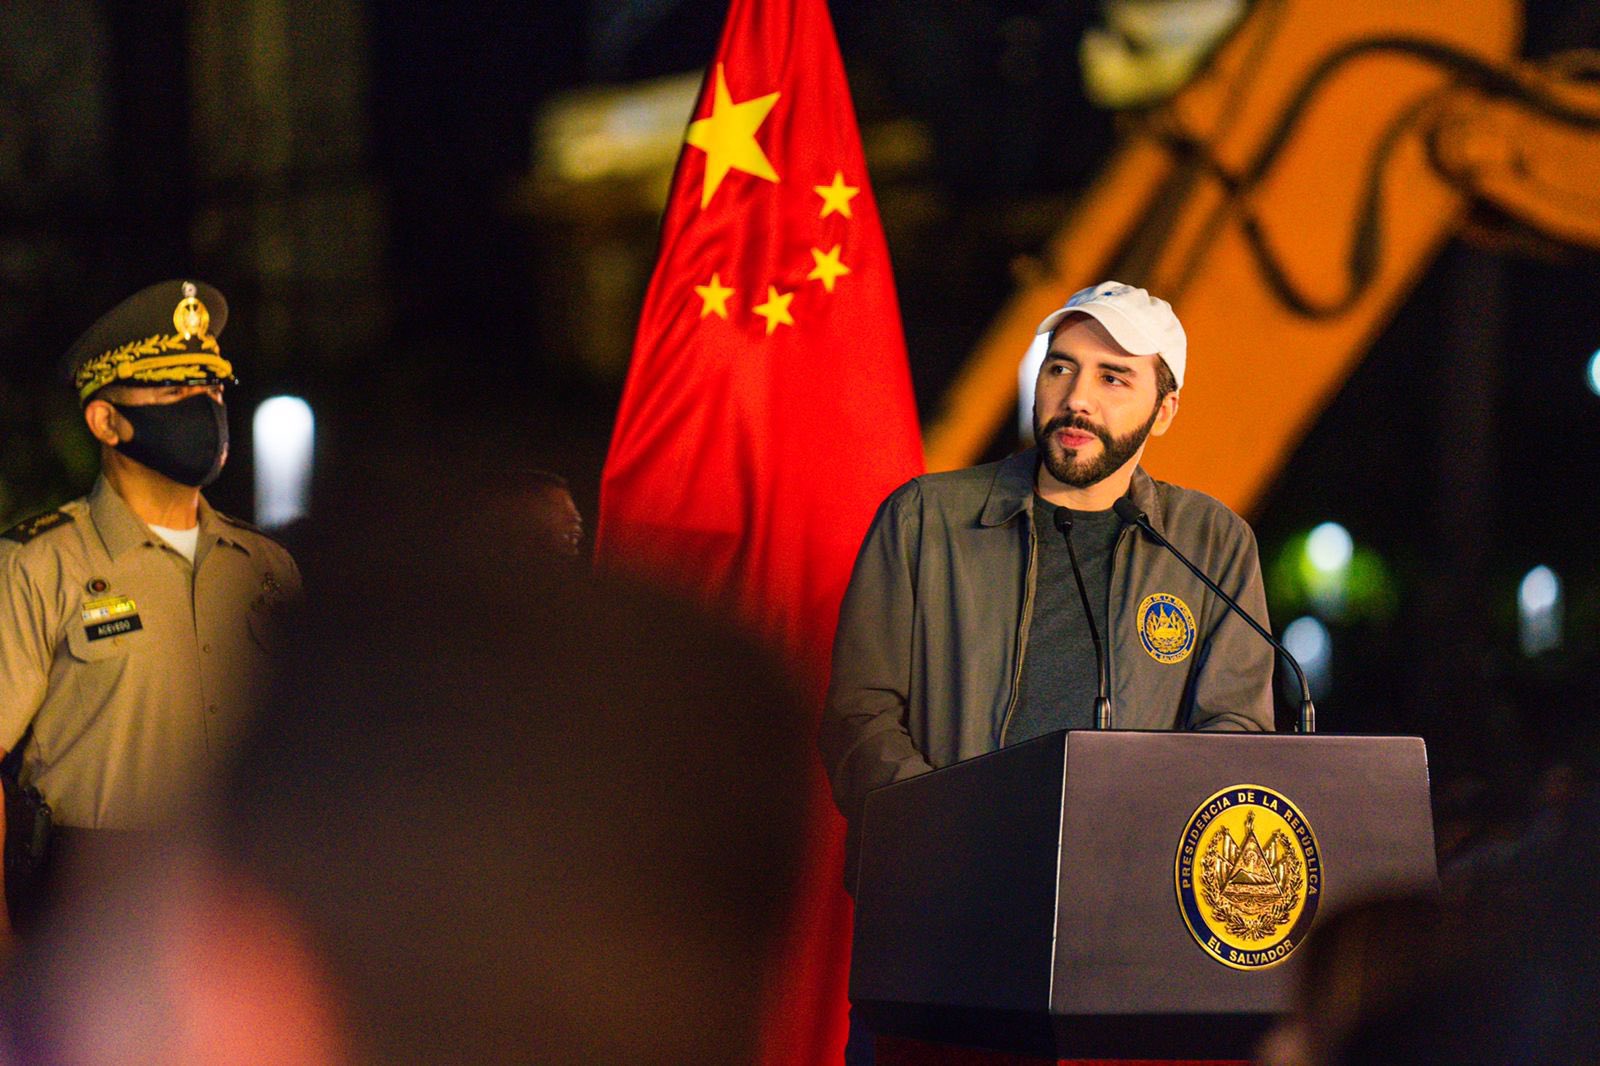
(776, 309)
(828, 269)
(714, 297)
(728, 138)
(836, 197)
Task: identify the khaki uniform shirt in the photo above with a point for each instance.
(136, 670)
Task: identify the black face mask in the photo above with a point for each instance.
(187, 441)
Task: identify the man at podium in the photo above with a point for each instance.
(965, 627)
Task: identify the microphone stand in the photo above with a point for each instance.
(1129, 512)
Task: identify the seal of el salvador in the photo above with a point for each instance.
(1166, 627)
(1249, 876)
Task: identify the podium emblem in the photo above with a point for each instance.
(1249, 876)
(1166, 628)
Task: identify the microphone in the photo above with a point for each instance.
(1129, 512)
(1102, 702)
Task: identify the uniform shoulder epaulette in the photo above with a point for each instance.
(238, 522)
(29, 528)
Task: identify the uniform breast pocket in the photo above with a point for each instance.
(265, 630)
(106, 641)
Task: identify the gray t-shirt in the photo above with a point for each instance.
(1059, 673)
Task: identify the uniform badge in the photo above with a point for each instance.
(110, 616)
(1249, 876)
(1166, 628)
(271, 596)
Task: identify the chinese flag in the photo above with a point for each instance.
(768, 408)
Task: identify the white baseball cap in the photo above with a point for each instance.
(1142, 324)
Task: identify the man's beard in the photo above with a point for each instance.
(1080, 474)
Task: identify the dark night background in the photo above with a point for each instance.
(360, 179)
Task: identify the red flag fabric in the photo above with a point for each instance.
(768, 407)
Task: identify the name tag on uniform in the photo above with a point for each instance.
(110, 616)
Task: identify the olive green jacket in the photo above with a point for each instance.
(928, 654)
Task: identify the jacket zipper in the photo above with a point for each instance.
(1111, 583)
(1027, 620)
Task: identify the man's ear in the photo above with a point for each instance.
(104, 423)
(1166, 411)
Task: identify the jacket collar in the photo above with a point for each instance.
(1144, 493)
(1011, 491)
(120, 529)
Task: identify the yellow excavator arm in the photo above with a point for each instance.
(1286, 200)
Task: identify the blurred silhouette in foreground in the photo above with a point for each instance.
(1503, 967)
(495, 813)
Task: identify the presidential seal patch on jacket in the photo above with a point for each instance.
(1166, 627)
(1249, 876)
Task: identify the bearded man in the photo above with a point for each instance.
(134, 622)
(963, 629)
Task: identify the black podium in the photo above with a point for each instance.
(1096, 894)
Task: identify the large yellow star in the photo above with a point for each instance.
(836, 197)
(776, 309)
(828, 268)
(728, 138)
(714, 297)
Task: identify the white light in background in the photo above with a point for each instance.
(1539, 611)
(1594, 373)
(1308, 641)
(1329, 547)
(285, 433)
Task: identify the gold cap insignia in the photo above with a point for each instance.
(133, 343)
(190, 318)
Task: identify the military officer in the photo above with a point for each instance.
(134, 621)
